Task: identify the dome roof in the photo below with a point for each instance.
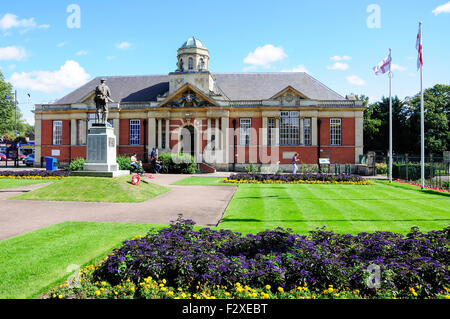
(193, 42)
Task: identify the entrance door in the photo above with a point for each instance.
(187, 140)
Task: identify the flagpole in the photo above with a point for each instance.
(422, 121)
(390, 119)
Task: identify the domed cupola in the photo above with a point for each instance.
(192, 56)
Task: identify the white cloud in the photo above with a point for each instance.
(397, 67)
(338, 66)
(263, 56)
(110, 57)
(341, 58)
(355, 80)
(123, 45)
(444, 8)
(61, 44)
(82, 52)
(12, 67)
(9, 21)
(298, 68)
(12, 53)
(70, 75)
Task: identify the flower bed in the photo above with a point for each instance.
(306, 178)
(415, 184)
(34, 174)
(179, 262)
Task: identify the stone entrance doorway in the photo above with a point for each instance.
(188, 140)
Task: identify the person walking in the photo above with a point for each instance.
(294, 163)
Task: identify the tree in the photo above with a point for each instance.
(6, 108)
(376, 126)
(437, 119)
(7, 113)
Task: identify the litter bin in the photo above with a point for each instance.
(50, 163)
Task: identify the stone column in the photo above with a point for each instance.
(225, 139)
(314, 131)
(359, 142)
(151, 133)
(116, 124)
(37, 140)
(277, 131)
(73, 132)
(159, 134)
(167, 134)
(264, 131)
(216, 136)
(208, 134)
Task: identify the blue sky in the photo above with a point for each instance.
(337, 42)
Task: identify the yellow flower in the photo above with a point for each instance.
(268, 287)
(280, 289)
(97, 293)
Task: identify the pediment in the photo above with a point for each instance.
(188, 96)
(289, 96)
(89, 99)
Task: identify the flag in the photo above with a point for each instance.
(419, 50)
(29, 98)
(383, 66)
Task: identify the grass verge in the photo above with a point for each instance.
(12, 182)
(96, 189)
(32, 263)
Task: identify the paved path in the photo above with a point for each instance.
(204, 204)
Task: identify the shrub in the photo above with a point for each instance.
(180, 163)
(382, 168)
(77, 164)
(124, 163)
(280, 258)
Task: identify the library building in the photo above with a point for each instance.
(226, 121)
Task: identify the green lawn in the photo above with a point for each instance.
(96, 189)
(32, 263)
(17, 182)
(196, 180)
(342, 208)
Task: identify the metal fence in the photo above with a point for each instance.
(408, 168)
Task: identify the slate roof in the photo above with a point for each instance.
(236, 86)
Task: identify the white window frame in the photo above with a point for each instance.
(335, 131)
(57, 132)
(245, 131)
(289, 128)
(307, 131)
(271, 127)
(135, 132)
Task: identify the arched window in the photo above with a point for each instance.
(201, 64)
(191, 64)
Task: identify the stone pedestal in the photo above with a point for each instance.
(101, 153)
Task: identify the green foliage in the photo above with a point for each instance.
(124, 163)
(180, 163)
(382, 168)
(77, 164)
(251, 168)
(7, 113)
(406, 123)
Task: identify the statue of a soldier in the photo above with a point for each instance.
(101, 99)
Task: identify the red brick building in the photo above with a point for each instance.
(226, 119)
